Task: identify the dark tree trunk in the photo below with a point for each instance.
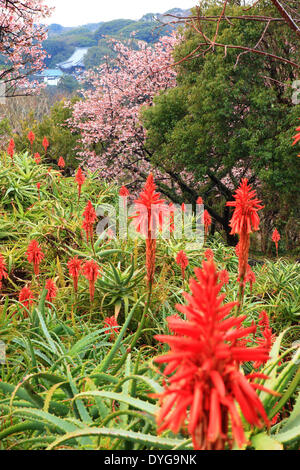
(232, 240)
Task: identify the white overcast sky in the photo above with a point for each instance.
(79, 12)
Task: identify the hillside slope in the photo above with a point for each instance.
(63, 41)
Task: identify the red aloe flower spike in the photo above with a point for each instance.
(150, 211)
(45, 144)
(183, 262)
(31, 138)
(268, 338)
(250, 277)
(207, 222)
(37, 158)
(297, 136)
(11, 149)
(3, 269)
(75, 269)
(26, 298)
(91, 271)
(124, 192)
(89, 220)
(199, 200)
(224, 277)
(275, 239)
(244, 221)
(204, 378)
(80, 179)
(52, 290)
(172, 217)
(209, 254)
(38, 185)
(35, 255)
(61, 163)
(111, 323)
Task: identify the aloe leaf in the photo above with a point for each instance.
(263, 441)
(134, 402)
(109, 357)
(145, 439)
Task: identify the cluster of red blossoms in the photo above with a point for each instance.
(205, 382)
(151, 211)
(26, 296)
(31, 138)
(89, 269)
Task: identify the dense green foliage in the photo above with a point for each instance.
(68, 84)
(111, 28)
(228, 118)
(96, 54)
(68, 382)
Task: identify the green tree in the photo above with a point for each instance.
(68, 83)
(229, 117)
(95, 55)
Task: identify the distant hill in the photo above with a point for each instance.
(62, 41)
(55, 29)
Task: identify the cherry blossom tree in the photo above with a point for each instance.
(21, 37)
(113, 139)
(107, 118)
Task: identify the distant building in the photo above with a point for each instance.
(75, 63)
(50, 76)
